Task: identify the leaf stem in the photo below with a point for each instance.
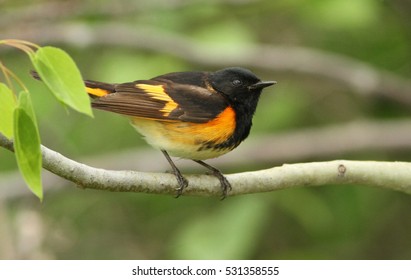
(9, 75)
(25, 46)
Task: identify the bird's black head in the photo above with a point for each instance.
(242, 90)
(238, 84)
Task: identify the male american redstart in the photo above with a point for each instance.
(192, 115)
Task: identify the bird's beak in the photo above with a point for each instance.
(261, 85)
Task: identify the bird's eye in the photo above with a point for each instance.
(236, 82)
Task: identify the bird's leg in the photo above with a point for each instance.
(182, 182)
(225, 185)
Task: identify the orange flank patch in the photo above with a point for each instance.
(97, 91)
(221, 127)
(217, 130)
(185, 139)
(157, 92)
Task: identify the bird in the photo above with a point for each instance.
(194, 115)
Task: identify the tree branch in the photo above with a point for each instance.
(392, 137)
(388, 175)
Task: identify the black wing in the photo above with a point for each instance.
(180, 96)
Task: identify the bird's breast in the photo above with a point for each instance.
(191, 140)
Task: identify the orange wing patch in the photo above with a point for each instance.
(97, 91)
(157, 92)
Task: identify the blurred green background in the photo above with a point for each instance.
(343, 69)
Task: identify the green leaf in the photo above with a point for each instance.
(25, 103)
(7, 106)
(27, 145)
(61, 75)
